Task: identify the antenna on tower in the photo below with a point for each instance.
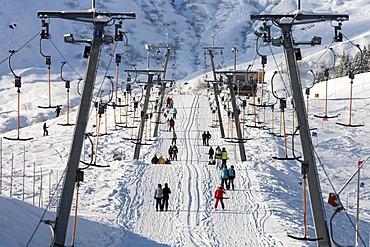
(299, 5)
(93, 5)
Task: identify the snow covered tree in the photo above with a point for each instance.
(344, 65)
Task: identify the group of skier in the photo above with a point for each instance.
(206, 136)
(172, 152)
(217, 157)
(227, 180)
(170, 124)
(161, 196)
(227, 174)
(169, 102)
(155, 160)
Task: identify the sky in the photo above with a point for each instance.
(116, 205)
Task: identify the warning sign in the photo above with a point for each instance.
(334, 200)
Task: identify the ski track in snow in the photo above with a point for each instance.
(193, 177)
(191, 219)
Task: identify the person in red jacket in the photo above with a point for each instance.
(172, 125)
(219, 195)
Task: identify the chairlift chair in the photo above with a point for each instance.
(17, 84)
(48, 63)
(282, 104)
(255, 114)
(282, 120)
(351, 76)
(67, 86)
(293, 120)
(305, 169)
(93, 155)
(326, 116)
(307, 92)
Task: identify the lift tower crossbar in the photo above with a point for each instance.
(100, 21)
(286, 22)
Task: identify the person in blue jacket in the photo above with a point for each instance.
(224, 176)
(174, 113)
(158, 196)
(231, 175)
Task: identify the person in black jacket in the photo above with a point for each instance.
(166, 196)
(174, 138)
(155, 159)
(208, 136)
(45, 128)
(175, 150)
(231, 176)
(204, 138)
(57, 111)
(211, 152)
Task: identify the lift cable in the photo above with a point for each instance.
(15, 51)
(317, 60)
(255, 56)
(105, 76)
(280, 73)
(60, 53)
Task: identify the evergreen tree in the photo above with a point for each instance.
(344, 65)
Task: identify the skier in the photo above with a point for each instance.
(172, 125)
(168, 101)
(204, 137)
(46, 132)
(219, 164)
(155, 160)
(211, 152)
(208, 136)
(224, 176)
(175, 150)
(168, 122)
(231, 175)
(174, 138)
(158, 196)
(219, 195)
(223, 157)
(174, 113)
(166, 196)
(170, 152)
(218, 153)
(161, 160)
(57, 111)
